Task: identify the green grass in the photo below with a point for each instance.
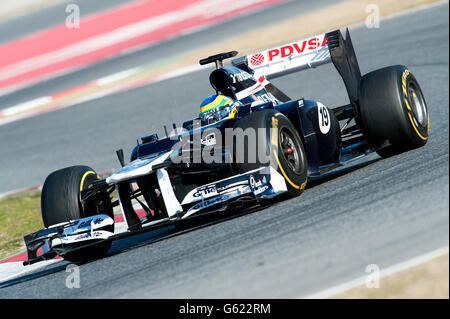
(20, 215)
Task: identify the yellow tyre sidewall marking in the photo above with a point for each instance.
(415, 128)
(274, 142)
(404, 77)
(301, 187)
(274, 137)
(407, 104)
(84, 177)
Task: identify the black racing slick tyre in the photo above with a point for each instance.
(393, 111)
(276, 138)
(61, 202)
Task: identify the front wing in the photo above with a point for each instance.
(220, 196)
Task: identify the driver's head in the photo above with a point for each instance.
(217, 107)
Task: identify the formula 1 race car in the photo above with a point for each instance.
(251, 144)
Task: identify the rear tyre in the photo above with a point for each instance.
(61, 202)
(280, 143)
(393, 111)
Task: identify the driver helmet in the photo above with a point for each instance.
(217, 107)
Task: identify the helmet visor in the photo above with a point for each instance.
(216, 110)
(215, 114)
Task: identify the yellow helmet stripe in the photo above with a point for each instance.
(219, 101)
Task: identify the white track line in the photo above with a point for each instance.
(19, 112)
(117, 76)
(180, 72)
(11, 270)
(329, 292)
(26, 106)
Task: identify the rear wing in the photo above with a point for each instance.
(292, 57)
(306, 54)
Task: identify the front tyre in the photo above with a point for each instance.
(393, 111)
(61, 202)
(277, 138)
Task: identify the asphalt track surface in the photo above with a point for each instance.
(378, 212)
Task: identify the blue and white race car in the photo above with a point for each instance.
(249, 145)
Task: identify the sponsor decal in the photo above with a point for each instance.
(296, 48)
(88, 235)
(255, 183)
(258, 184)
(210, 202)
(261, 98)
(261, 190)
(241, 76)
(209, 140)
(324, 118)
(257, 59)
(288, 51)
(205, 191)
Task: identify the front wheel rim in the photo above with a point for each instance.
(290, 150)
(418, 106)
